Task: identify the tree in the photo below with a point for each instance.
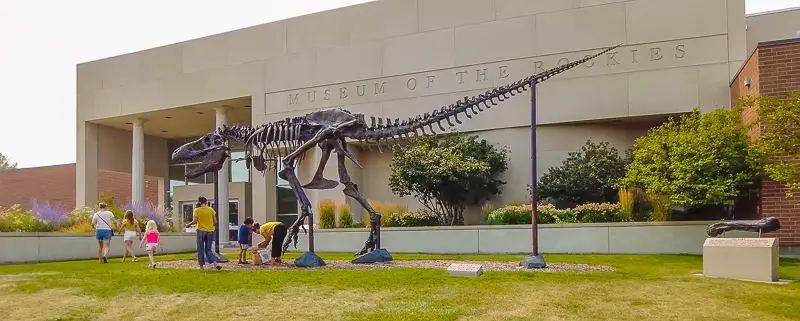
(446, 174)
(779, 139)
(5, 163)
(588, 175)
(702, 159)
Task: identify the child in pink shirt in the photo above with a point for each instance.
(151, 237)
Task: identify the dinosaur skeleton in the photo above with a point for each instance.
(288, 140)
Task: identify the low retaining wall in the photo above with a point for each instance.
(611, 238)
(48, 247)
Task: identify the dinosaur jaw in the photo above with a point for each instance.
(211, 163)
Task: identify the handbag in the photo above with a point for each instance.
(113, 233)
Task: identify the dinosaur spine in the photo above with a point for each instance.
(397, 129)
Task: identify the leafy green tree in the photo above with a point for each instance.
(779, 139)
(448, 173)
(701, 159)
(588, 175)
(5, 163)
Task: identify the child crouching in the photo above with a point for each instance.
(151, 236)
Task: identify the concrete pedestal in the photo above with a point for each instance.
(751, 259)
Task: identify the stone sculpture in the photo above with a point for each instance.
(288, 140)
(767, 225)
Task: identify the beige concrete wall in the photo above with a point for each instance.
(16, 248)
(773, 25)
(605, 238)
(399, 58)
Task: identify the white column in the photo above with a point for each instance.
(222, 202)
(137, 163)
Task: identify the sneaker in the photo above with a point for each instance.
(105, 260)
(135, 259)
(123, 260)
(217, 267)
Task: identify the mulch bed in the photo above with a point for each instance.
(430, 264)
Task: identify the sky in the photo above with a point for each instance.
(41, 42)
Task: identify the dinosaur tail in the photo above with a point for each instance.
(400, 129)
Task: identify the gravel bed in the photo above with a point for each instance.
(430, 264)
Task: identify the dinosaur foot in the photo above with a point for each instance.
(380, 255)
(321, 183)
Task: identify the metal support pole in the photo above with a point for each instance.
(534, 225)
(220, 257)
(216, 210)
(535, 260)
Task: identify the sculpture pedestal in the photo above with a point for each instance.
(751, 259)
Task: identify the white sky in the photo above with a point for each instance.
(47, 38)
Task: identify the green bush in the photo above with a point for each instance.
(327, 213)
(345, 216)
(598, 213)
(18, 220)
(412, 219)
(521, 214)
(588, 175)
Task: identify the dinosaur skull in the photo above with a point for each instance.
(211, 148)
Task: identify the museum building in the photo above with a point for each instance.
(398, 59)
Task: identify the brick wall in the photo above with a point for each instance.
(774, 69)
(739, 89)
(57, 184)
(779, 68)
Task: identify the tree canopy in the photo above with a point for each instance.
(6, 163)
(448, 173)
(701, 159)
(778, 121)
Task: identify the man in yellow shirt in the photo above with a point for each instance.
(205, 217)
(276, 230)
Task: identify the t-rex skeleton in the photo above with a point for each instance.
(287, 141)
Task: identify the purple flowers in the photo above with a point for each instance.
(54, 215)
(145, 211)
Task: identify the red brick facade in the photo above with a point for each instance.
(57, 184)
(773, 69)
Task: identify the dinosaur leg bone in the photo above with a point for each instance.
(309, 258)
(374, 239)
(319, 182)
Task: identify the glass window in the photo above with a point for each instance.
(287, 204)
(239, 170)
(187, 209)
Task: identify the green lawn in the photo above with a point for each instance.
(646, 287)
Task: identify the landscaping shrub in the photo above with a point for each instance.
(597, 213)
(627, 200)
(448, 173)
(19, 220)
(81, 227)
(521, 214)
(660, 211)
(53, 215)
(413, 219)
(589, 175)
(345, 216)
(701, 159)
(327, 213)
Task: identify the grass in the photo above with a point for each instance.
(646, 287)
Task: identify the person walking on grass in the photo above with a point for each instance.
(276, 230)
(101, 221)
(205, 218)
(152, 237)
(130, 229)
